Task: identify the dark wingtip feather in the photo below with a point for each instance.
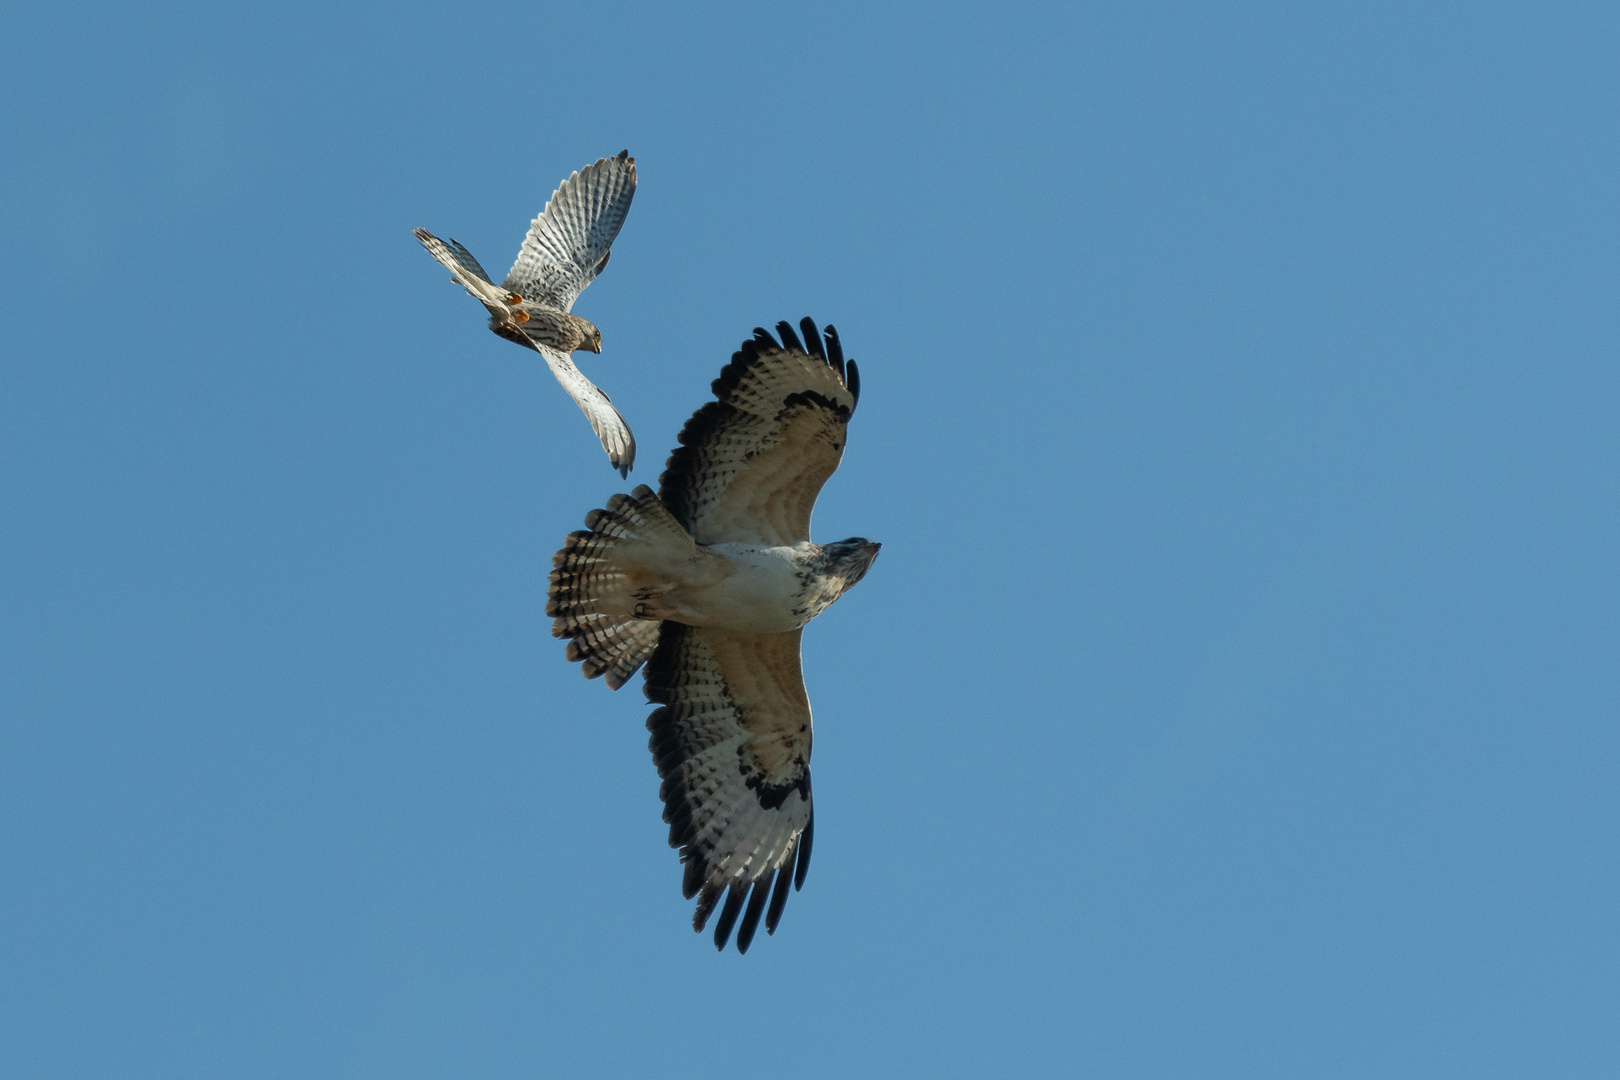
(853, 381)
(728, 915)
(790, 340)
(805, 840)
(705, 905)
(835, 351)
(778, 898)
(692, 877)
(763, 339)
(812, 337)
(756, 908)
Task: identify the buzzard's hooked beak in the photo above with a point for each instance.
(594, 343)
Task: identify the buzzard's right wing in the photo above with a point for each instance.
(751, 464)
(731, 740)
(569, 243)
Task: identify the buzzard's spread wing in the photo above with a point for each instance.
(751, 464)
(732, 743)
(568, 243)
(605, 419)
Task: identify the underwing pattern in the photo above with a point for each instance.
(708, 585)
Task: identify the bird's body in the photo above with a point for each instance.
(747, 588)
(532, 325)
(709, 583)
(567, 246)
(770, 590)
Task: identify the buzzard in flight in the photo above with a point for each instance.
(567, 246)
(709, 583)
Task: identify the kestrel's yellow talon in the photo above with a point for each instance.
(520, 316)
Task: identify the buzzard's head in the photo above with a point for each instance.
(848, 560)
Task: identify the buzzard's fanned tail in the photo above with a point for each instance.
(595, 577)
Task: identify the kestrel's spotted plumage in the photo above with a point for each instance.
(567, 246)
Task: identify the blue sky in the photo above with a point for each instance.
(1236, 694)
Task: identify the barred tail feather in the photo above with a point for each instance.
(614, 650)
(596, 574)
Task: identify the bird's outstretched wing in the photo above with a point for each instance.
(568, 244)
(751, 463)
(731, 739)
(605, 420)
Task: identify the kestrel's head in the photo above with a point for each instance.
(592, 337)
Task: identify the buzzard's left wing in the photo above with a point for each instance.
(569, 243)
(731, 739)
(751, 463)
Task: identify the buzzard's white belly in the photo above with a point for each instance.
(763, 593)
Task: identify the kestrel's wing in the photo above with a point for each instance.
(460, 262)
(605, 419)
(568, 244)
(751, 464)
(731, 740)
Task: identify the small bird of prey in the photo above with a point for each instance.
(567, 247)
(708, 584)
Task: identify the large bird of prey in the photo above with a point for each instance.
(710, 583)
(567, 247)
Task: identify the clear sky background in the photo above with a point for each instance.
(1236, 694)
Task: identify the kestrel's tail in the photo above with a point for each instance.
(460, 262)
(603, 574)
